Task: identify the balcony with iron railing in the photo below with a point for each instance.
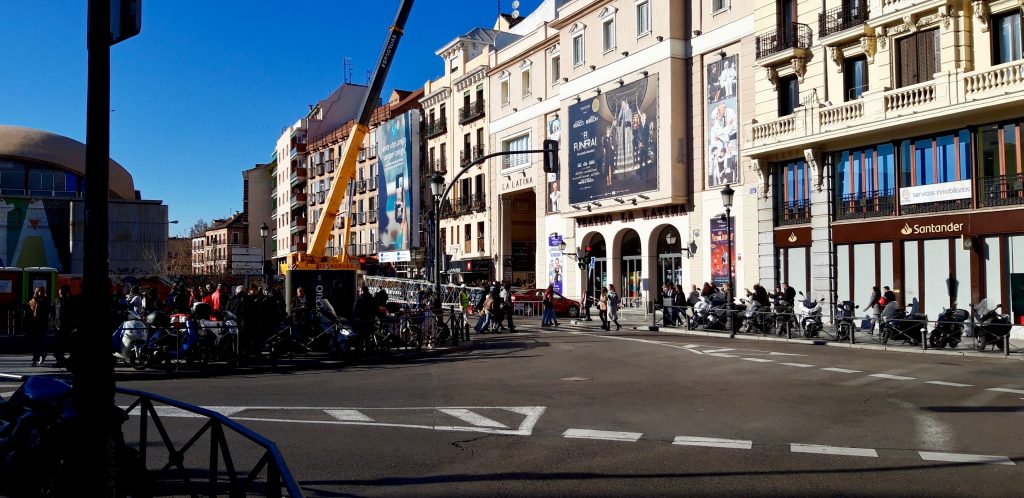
(362, 154)
(839, 19)
(781, 43)
(479, 202)
(371, 216)
(372, 151)
(478, 151)
(465, 156)
(297, 148)
(329, 166)
(439, 164)
(793, 213)
(973, 94)
(361, 186)
(298, 199)
(935, 207)
(1005, 190)
(435, 128)
(862, 205)
(360, 218)
(472, 112)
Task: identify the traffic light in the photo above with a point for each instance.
(551, 156)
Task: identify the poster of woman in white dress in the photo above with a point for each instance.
(722, 154)
(554, 191)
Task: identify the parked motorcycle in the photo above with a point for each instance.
(808, 314)
(949, 330)
(710, 313)
(785, 319)
(844, 320)
(991, 326)
(129, 342)
(900, 325)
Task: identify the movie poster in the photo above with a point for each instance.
(555, 257)
(554, 190)
(723, 152)
(720, 250)
(613, 143)
(398, 188)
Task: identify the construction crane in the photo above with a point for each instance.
(315, 257)
(334, 277)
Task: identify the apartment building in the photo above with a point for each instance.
(212, 253)
(455, 129)
(288, 192)
(887, 140)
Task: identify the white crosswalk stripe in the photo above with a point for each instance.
(841, 370)
(1005, 390)
(473, 418)
(832, 450)
(712, 442)
(758, 360)
(948, 384)
(964, 458)
(891, 377)
(349, 415)
(630, 437)
(798, 365)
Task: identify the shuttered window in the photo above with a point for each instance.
(917, 57)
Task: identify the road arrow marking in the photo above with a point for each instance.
(473, 418)
(349, 415)
(629, 437)
(949, 384)
(711, 442)
(964, 458)
(832, 450)
(842, 370)
(1005, 390)
(891, 377)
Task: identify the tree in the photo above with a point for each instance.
(198, 228)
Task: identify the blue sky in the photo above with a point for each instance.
(204, 91)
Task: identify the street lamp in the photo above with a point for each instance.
(437, 189)
(264, 230)
(727, 195)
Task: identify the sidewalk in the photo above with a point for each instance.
(861, 339)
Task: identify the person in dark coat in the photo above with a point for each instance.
(788, 294)
(37, 323)
(364, 314)
(302, 312)
(66, 313)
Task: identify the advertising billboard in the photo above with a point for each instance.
(555, 262)
(553, 190)
(723, 152)
(613, 143)
(720, 250)
(398, 187)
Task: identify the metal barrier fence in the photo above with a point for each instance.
(232, 480)
(925, 334)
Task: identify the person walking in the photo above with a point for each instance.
(506, 305)
(364, 314)
(548, 319)
(613, 307)
(464, 305)
(873, 308)
(488, 311)
(66, 315)
(37, 321)
(679, 305)
(602, 307)
(302, 313)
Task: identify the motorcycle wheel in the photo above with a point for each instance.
(982, 342)
(883, 335)
(139, 359)
(952, 343)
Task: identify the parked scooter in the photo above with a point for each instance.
(710, 313)
(900, 325)
(129, 342)
(808, 314)
(949, 330)
(785, 319)
(844, 320)
(991, 326)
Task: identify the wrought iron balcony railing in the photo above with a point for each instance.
(842, 18)
(865, 205)
(785, 37)
(793, 213)
(1005, 190)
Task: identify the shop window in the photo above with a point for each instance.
(855, 77)
(789, 95)
(865, 182)
(1006, 38)
(793, 200)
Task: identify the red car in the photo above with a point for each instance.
(529, 301)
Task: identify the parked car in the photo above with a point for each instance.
(563, 305)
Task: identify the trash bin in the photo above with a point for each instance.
(11, 298)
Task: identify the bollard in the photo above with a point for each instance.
(924, 337)
(654, 318)
(1006, 345)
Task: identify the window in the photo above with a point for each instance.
(855, 77)
(917, 57)
(504, 91)
(865, 172)
(444, 113)
(521, 142)
(1006, 40)
(526, 83)
(941, 159)
(643, 18)
(577, 50)
(719, 5)
(556, 73)
(454, 62)
(793, 200)
(999, 150)
(608, 34)
(789, 95)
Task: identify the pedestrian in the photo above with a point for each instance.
(613, 307)
(302, 312)
(888, 294)
(602, 308)
(134, 302)
(548, 318)
(66, 315)
(37, 321)
(788, 294)
(498, 306)
(506, 306)
(679, 304)
(218, 298)
(488, 312)
(874, 309)
(464, 304)
(364, 315)
(667, 302)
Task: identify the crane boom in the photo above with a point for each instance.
(315, 256)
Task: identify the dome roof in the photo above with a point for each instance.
(44, 147)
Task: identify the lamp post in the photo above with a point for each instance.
(264, 231)
(727, 195)
(437, 190)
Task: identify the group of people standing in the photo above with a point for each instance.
(65, 314)
(494, 306)
(876, 303)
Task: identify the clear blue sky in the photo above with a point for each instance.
(205, 90)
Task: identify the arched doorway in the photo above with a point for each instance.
(597, 276)
(670, 257)
(631, 276)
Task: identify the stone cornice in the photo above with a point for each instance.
(436, 97)
(468, 80)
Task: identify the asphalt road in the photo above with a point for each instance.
(580, 411)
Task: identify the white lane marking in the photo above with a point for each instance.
(842, 370)
(532, 413)
(645, 341)
(891, 377)
(711, 442)
(798, 365)
(170, 411)
(832, 450)
(724, 355)
(473, 418)
(949, 384)
(964, 458)
(1005, 390)
(630, 437)
(758, 360)
(349, 415)
(722, 350)
(776, 353)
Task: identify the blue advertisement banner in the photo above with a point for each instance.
(555, 271)
(398, 213)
